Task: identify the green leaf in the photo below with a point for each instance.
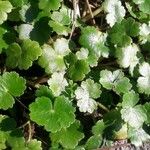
(78, 70)
(95, 141)
(44, 91)
(69, 137)
(52, 121)
(137, 136)
(6, 125)
(143, 80)
(17, 3)
(11, 85)
(94, 41)
(134, 116)
(121, 33)
(144, 6)
(147, 109)
(48, 5)
(130, 99)
(2, 41)
(24, 55)
(5, 7)
(52, 59)
(115, 81)
(92, 87)
(62, 16)
(59, 28)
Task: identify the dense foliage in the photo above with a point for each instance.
(74, 74)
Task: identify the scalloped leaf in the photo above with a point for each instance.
(115, 11)
(143, 80)
(52, 121)
(57, 83)
(69, 137)
(115, 81)
(127, 57)
(92, 88)
(52, 59)
(11, 85)
(94, 40)
(121, 33)
(24, 55)
(137, 136)
(49, 4)
(5, 7)
(78, 70)
(95, 141)
(134, 116)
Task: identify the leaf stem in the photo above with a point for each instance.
(103, 107)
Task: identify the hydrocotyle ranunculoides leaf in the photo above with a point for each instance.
(55, 116)
(11, 85)
(133, 115)
(5, 7)
(70, 137)
(24, 55)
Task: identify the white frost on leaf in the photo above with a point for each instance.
(144, 81)
(57, 83)
(61, 47)
(138, 136)
(127, 57)
(82, 54)
(144, 33)
(115, 11)
(84, 102)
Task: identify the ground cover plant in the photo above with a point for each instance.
(75, 74)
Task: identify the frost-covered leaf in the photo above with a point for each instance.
(52, 59)
(94, 41)
(5, 7)
(121, 33)
(82, 54)
(53, 117)
(57, 83)
(127, 57)
(85, 95)
(69, 137)
(137, 136)
(144, 80)
(92, 88)
(115, 11)
(115, 80)
(78, 70)
(24, 31)
(134, 116)
(24, 55)
(11, 85)
(62, 16)
(48, 5)
(145, 33)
